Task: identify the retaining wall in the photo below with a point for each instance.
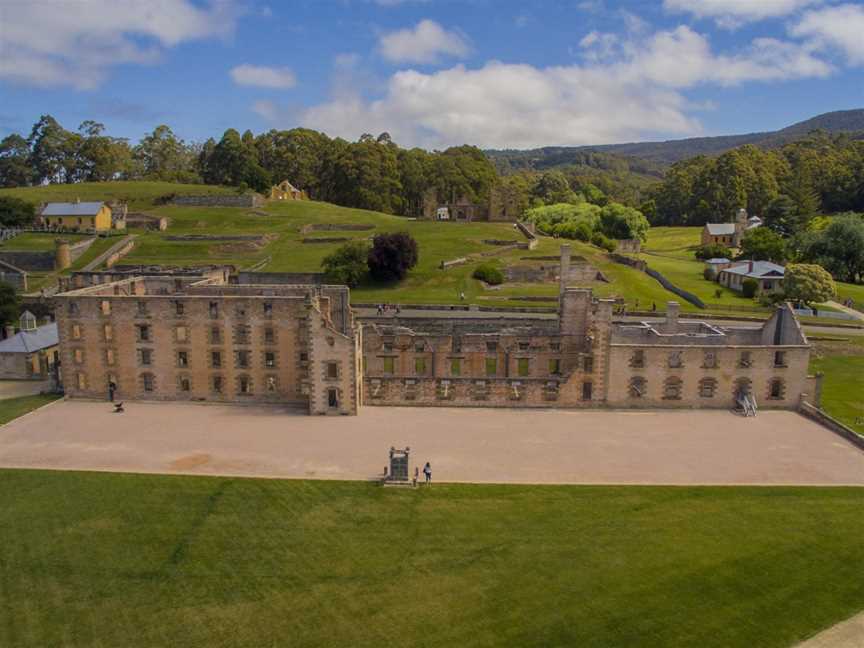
(831, 423)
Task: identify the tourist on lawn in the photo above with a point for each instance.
(427, 470)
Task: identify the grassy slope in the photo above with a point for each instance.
(139, 195)
(135, 560)
(12, 408)
(843, 386)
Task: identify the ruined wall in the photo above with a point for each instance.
(721, 364)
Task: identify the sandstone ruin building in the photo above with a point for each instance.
(218, 336)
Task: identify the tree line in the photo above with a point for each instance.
(371, 173)
(787, 186)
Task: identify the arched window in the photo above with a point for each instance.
(672, 388)
(638, 386)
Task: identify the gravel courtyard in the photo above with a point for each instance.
(469, 445)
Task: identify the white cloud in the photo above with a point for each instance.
(74, 44)
(637, 92)
(262, 76)
(733, 13)
(425, 43)
(840, 27)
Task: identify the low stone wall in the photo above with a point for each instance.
(32, 261)
(579, 273)
(336, 227)
(639, 264)
(452, 263)
(112, 255)
(214, 237)
(140, 220)
(327, 239)
(831, 423)
(15, 277)
(244, 200)
(499, 242)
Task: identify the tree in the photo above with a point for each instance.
(348, 264)
(10, 305)
(488, 273)
(763, 244)
(713, 251)
(839, 247)
(15, 169)
(779, 215)
(15, 212)
(391, 256)
(808, 283)
(620, 222)
(804, 198)
(163, 156)
(552, 188)
(749, 287)
(48, 143)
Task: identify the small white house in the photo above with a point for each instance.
(769, 276)
(31, 353)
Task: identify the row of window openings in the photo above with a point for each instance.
(673, 388)
(523, 366)
(241, 360)
(709, 360)
(217, 384)
(456, 346)
(242, 334)
(444, 385)
(179, 308)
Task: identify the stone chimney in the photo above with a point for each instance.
(672, 309)
(749, 267)
(564, 269)
(9, 331)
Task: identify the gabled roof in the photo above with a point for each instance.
(718, 260)
(720, 229)
(761, 269)
(30, 341)
(72, 208)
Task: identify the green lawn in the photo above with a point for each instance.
(12, 408)
(93, 559)
(855, 291)
(843, 384)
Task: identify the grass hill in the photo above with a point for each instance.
(139, 195)
(670, 151)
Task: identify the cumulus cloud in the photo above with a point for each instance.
(74, 44)
(840, 27)
(636, 91)
(733, 13)
(262, 76)
(427, 42)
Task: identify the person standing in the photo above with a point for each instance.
(427, 470)
(112, 387)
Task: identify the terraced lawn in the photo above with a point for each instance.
(99, 559)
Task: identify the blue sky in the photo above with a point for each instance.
(496, 73)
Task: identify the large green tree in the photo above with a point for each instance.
(808, 283)
(763, 244)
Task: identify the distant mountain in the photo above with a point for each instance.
(668, 152)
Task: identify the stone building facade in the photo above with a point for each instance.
(188, 338)
(584, 359)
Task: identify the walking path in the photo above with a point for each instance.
(847, 634)
(858, 315)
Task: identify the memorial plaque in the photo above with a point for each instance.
(399, 464)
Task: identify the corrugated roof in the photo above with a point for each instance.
(30, 341)
(720, 229)
(72, 209)
(717, 260)
(760, 269)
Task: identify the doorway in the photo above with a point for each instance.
(332, 398)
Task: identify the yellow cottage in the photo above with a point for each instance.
(77, 216)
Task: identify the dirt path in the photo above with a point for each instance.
(847, 634)
(464, 445)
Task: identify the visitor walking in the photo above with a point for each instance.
(427, 470)
(462, 296)
(653, 307)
